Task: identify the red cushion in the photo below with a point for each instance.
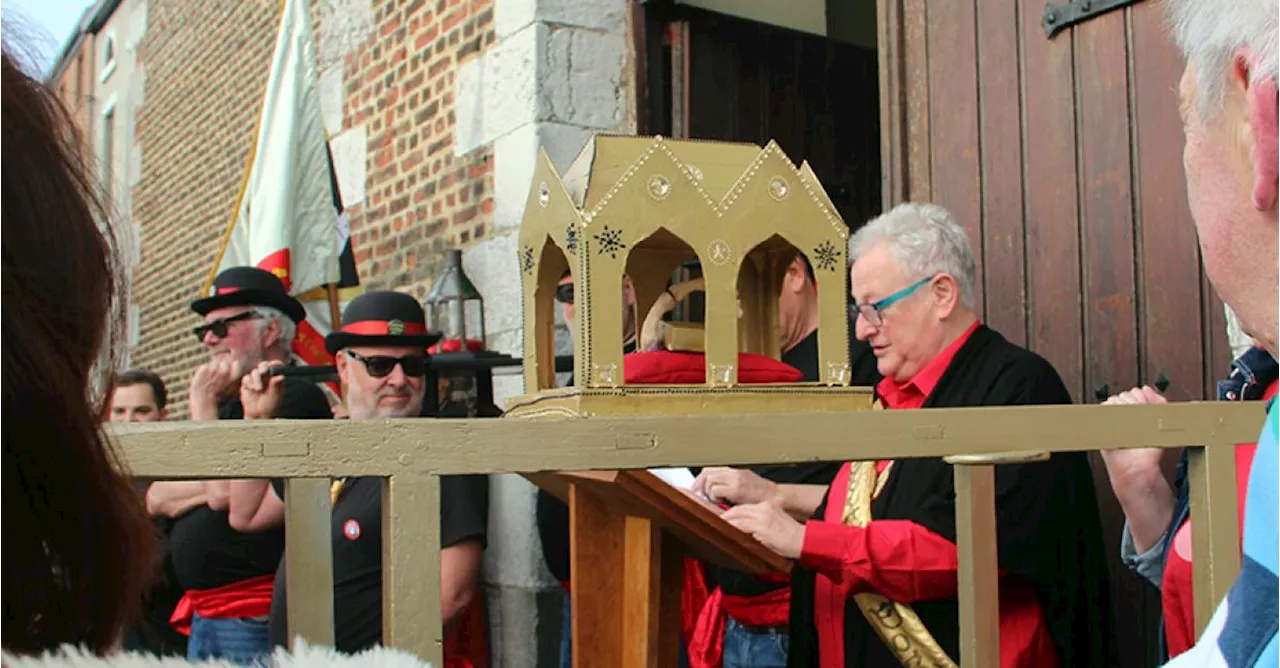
(665, 367)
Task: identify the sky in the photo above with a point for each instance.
(42, 27)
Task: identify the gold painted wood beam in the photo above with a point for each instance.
(309, 560)
(977, 577)
(314, 448)
(411, 566)
(1215, 542)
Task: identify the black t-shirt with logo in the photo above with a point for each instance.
(205, 551)
(357, 554)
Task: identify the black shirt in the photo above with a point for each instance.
(862, 362)
(152, 633)
(357, 554)
(205, 551)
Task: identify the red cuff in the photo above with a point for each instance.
(824, 547)
(898, 559)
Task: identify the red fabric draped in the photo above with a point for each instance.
(246, 598)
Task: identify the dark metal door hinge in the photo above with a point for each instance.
(1067, 14)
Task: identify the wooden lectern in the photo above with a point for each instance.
(629, 534)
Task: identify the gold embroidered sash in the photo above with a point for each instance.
(896, 623)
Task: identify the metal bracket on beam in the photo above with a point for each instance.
(1064, 15)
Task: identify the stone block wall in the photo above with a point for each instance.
(558, 72)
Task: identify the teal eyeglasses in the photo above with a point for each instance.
(871, 311)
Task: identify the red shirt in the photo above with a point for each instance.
(904, 561)
(1176, 595)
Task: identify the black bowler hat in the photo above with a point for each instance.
(382, 319)
(250, 286)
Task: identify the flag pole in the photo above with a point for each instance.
(335, 310)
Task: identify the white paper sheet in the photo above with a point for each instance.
(680, 478)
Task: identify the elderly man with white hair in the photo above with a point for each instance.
(1229, 110)
(876, 582)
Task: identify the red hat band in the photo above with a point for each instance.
(384, 328)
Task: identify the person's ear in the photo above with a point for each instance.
(1259, 131)
(946, 294)
(794, 279)
(342, 364)
(271, 334)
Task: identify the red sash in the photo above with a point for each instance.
(705, 614)
(246, 598)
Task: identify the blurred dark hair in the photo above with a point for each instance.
(78, 545)
(140, 376)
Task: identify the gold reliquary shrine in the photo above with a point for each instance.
(623, 218)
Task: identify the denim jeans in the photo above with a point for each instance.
(745, 648)
(242, 641)
(566, 635)
(566, 641)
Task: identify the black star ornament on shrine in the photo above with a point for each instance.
(826, 256)
(610, 242)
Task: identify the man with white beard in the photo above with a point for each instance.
(1229, 111)
(380, 353)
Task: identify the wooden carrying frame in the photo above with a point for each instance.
(629, 533)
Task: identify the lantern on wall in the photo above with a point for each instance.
(460, 379)
(455, 309)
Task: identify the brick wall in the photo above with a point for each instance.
(74, 85)
(206, 65)
(420, 198)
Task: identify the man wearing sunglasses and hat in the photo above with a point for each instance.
(225, 551)
(381, 359)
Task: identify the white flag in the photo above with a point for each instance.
(285, 220)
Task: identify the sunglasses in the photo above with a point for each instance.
(381, 366)
(564, 293)
(220, 326)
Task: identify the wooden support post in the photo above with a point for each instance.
(411, 566)
(597, 568)
(309, 560)
(1215, 535)
(978, 581)
(652, 575)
